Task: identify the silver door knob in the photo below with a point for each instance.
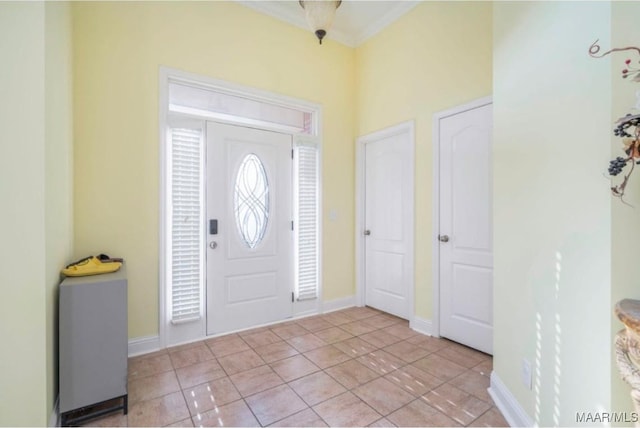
(213, 245)
(443, 238)
(367, 232)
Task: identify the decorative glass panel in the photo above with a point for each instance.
(251, 200)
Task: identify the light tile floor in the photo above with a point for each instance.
(354, 367)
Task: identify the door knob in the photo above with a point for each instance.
(367, 232)
(443, 238)
(213, 245)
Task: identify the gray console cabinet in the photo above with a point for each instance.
(93, 342)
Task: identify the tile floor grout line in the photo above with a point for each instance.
(309, 406)
(186, 405)
(481, 415)
(293, 414)
(251, 410)
(467, 392)
(326, 399)
(222, 368)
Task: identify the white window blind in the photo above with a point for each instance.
(306, 221)
(186, 224)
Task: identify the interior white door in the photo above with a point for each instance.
(249, 256)
(389, 222)
(466, 247)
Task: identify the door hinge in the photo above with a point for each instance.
(292, 297)
(291, 153)
(291, 224)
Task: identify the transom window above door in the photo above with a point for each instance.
(191, 99)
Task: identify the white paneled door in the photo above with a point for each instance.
(249, 236)
(388, 221)
(466, 247)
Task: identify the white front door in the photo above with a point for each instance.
(466, 247)
(388, 221)
(249, 256)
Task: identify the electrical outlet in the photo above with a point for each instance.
(525, 373)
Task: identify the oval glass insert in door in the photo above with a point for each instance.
(251, 200)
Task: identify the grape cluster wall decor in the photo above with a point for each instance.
(628, 127)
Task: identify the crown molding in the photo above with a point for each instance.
(272, 9)
(384, 21)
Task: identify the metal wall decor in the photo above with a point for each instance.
(628, 127)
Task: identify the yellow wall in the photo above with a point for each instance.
(552, 207)
(435, 57)
(625, 270)
(118, 48)
(35, 220)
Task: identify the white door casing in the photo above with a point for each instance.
(249, 274)
(386, 220)
(465, 231)
(170, 332)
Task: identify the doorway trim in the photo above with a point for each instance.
(435, 202)
(361, 142)
(166, 75)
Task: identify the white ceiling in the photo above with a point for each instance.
(355, 21)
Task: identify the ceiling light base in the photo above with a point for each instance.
(320, 35)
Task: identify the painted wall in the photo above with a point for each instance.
(35, 190)
(118, 48)
(435, 57)
(22, 158)
(625, 243)
(58, 172)
(552, 206)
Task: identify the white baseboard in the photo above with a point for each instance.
(304, 314)
(337, 304)
(422, 325)
(507, 403)
(143, 345)
(147, 344)
(54, 419)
